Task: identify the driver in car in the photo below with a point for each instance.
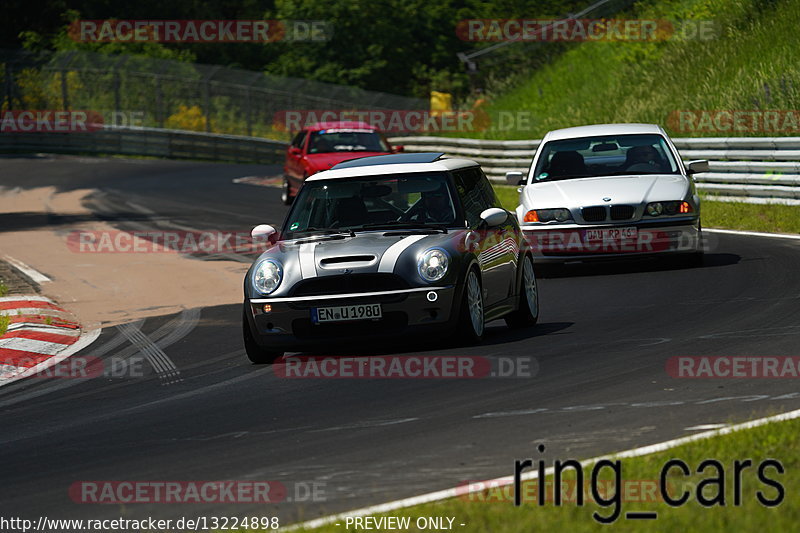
(643, 158)
(435, 207)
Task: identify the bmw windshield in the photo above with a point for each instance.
(607, 155)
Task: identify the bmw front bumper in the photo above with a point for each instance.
(573, 242)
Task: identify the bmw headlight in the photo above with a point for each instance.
(432, 264)
(547, 215)
(655, 209)
(669, 208)
(267, 276)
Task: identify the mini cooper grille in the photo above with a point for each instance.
(622, 212)
(349, 283)
(594, 214)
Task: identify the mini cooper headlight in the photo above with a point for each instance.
(267, 276)
(432, 264)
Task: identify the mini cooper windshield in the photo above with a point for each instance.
(607, 155)
(401, 201)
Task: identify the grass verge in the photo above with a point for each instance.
(771, 218)
(747, 62)
(493, 510)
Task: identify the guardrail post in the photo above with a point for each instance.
(249, 111)
(207, 96)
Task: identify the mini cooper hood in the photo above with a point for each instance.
(632, 190)
(364, 253)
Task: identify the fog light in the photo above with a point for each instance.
(432, 296)
(267, 308)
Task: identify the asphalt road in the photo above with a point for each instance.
(604, 337)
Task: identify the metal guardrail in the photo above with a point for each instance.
(156, 142)
(750, 169)
(745, 169)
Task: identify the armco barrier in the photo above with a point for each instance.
(751, 169)
(747, 169)
(154, 142)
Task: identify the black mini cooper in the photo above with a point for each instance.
(385, 246)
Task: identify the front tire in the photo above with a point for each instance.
(471, 314)
(256, 353)
(528, 312)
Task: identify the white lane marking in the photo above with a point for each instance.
(43, 328)
(308, 268)
(534, 474)
(511, 413)
(86, 339)
(26, 299)
(34, 275)
(392, 253)
(22, 344)
(37, 311)
(753, 233)
(366, 425)
(704, 427)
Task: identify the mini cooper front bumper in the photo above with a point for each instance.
(287, 323)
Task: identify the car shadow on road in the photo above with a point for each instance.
(496, 334)
(630, 266)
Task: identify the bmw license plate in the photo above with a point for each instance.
(346, 312)
(610, 234)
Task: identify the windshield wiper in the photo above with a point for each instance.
(328, 230)
(405, 225)
(559, 178)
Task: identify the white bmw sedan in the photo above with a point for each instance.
(609, 191)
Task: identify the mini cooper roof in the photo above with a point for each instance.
(393, 164)
(602, 129)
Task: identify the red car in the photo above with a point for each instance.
(324, 144)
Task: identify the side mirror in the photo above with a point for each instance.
(515, 177)
(695, 167)
(398, 149)
(264, 232)
(294, 150)
(494, 216)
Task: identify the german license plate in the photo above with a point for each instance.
(610, 234)
(345, 313)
